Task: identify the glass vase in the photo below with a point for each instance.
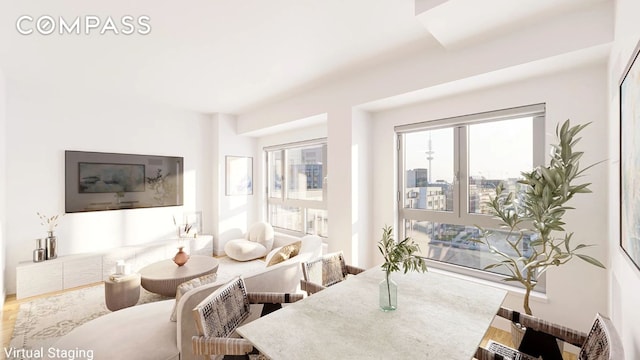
(388, 294)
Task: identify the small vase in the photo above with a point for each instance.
(388, 294)
(51, 246)
(181, 257)
(39, 253)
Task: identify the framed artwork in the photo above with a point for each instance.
(97, 181)
(239, 175)
(630, 159)
(188, 218)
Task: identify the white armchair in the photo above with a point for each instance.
(257, 242)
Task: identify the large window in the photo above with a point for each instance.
(449, 168)
(296, 191)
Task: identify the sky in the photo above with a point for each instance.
(497, 150)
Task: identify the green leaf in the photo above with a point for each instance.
(591, 260)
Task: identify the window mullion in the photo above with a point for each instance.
(325, 174)
(285, 178)
(400, 201)
(538, 141)
(463, 171)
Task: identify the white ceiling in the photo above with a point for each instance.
(230, 55)
(460, 22)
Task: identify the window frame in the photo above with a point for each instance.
(282, 199)
(460, 214)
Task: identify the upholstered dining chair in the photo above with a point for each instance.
(325, 271)
(219, 314)
(602, 342)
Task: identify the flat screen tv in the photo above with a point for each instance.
(96, 181)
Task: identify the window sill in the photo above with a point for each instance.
(536, 296)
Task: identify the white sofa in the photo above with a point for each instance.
(145, 331)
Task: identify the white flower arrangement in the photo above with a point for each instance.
(50, 222)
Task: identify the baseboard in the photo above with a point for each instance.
(217, 252)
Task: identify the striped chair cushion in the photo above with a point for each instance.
(596, 346)
(327, 270)
(223, 311)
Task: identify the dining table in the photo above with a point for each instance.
(438, 316)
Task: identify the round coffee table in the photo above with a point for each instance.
(163, 277)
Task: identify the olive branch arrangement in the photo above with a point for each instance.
(539, 211)
(399, 254)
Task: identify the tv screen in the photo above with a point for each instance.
(96, 181)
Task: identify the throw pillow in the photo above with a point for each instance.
(285, 253)
(188, 285)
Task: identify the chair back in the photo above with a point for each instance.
(220, 313)
(602, 343)
(326, 270)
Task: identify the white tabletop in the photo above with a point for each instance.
(438, 317)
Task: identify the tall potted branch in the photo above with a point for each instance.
(537, 214)
(396, 255)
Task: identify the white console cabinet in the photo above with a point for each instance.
(38, 278)
(71, 271)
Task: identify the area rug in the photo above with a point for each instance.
(42, 321)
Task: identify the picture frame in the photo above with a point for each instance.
(238, 175)
(96, 181)
(629, 91)
(193, 218)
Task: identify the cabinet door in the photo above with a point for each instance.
(202, 245)
(35, 279)
(82, 271)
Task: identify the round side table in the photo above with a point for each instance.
(122, 292)
(163, 277)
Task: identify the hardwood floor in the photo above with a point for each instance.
(9, 315)
(12, 306)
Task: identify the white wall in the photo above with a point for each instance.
(430, 67)
(577, 290)
(3, 182)
(234, 213)
(362, 193)
(340, 173)
(624, 291)
(42, 124)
